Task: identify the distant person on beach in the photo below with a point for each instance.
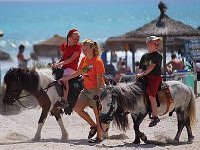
(124, 69)
(70, 52)
(92, 69)
(119, 63)
(137, 67)
(150, 63)
(197, 81)
(175, 64)
(22, 62)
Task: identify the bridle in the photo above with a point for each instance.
(43, 89)
(108, 117)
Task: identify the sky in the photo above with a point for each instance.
(88, 0)
(73, 0)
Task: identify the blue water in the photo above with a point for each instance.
(33, 21)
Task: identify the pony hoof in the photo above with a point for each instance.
(190, 140)
(143, 138)
(136, 142)
(36, 139)
(64, 138)
(176, 141)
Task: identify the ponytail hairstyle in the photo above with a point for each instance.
(93, 45)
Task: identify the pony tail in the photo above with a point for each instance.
(191, 109)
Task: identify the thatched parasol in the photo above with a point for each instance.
(1, 33)
(50, 47)
(163, 26)
(4, 56)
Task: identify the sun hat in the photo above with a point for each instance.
(151, 38)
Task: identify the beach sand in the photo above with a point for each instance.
(17, 128)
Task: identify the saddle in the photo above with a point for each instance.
(165, 102)
(75, 87)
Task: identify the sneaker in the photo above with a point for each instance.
(96, 140)
(154, 121)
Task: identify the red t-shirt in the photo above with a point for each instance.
(67, 53)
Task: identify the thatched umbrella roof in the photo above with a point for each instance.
(50, 47)
(4, 55)
(1, 33)
(163, 26)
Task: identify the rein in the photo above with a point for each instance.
(44, 89)
(108, 115)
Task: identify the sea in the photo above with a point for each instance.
(31, 21)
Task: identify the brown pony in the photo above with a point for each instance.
(39, 85)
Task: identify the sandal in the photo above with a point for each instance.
(96, 140)
(154, 121)
(93, 131)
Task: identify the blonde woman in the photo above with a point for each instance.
(92, 69)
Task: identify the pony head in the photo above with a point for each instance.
(108, 105)
(12, 81)
(16, 80)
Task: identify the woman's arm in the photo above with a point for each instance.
(67, 61)
(99, 81)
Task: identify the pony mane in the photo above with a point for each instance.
(125, 95)
(28, 78)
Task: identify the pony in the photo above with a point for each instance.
(117, 100)
(41, 86)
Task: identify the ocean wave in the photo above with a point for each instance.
(13, 44)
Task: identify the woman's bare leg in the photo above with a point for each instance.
(79, 108)
(99, 130)
(66, 92)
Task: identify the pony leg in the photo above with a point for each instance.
(63, 130)
(189, 130)
(181, 124)
(137, 120)
(56, 112)
(41, 121)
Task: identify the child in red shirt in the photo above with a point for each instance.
(70, 52)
